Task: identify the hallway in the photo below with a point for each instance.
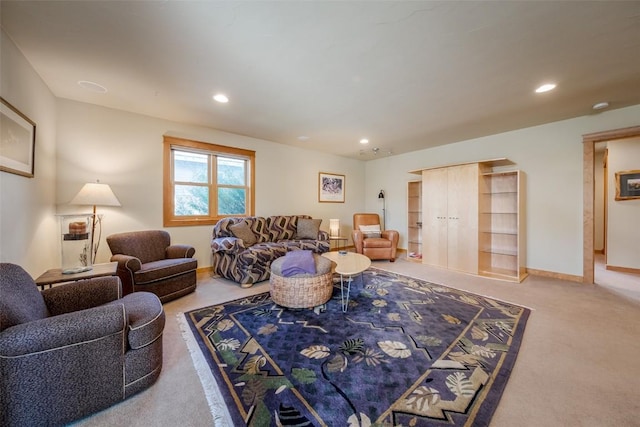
(625, 284)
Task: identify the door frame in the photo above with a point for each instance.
(588, 192)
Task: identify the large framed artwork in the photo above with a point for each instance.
(17, 141)
(628, 185)
(330, 188)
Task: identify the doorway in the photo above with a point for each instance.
(589, 146)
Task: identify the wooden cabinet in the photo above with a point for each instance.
(450, 217)
(414, 221)
(434, 214)
(473, 219)
(501, 238)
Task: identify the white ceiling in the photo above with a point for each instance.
(406, 75)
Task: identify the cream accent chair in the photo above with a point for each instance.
(383, 247)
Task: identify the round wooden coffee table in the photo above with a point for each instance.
(347, 264)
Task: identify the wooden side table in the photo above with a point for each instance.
(53, 276)
(339, 240)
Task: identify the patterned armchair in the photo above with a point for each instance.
(147, 261)
(248, 261)
(74, 349)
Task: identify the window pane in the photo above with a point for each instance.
(190, 167)
(231, 201)
(230, 171)
(191, 200)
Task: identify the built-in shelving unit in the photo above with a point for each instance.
(414, 221)
(471, 220)
(501, 233)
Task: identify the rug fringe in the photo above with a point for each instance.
(453, 287)
(217, 406)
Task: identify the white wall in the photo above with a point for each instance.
(124, 150)
(28, 226)
(598, 202)
(551, 156)
(623, 230)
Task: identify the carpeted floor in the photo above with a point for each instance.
(576, 365)
(407, 352)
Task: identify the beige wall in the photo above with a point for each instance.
(124, 150)
(551, 155)
(623, 230)
(28, 226)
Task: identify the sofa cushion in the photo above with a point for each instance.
(376, 242)
(261, 253)
(161, 270)
(257, 224)
(242, 231)
(283, 227)
(308, 228)
(371, 231)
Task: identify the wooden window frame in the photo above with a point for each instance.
(169, 218)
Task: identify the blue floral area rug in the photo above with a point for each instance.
(406, 353)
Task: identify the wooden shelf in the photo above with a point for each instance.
(501, 229)
(414, 218)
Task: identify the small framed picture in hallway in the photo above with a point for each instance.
(628, 185)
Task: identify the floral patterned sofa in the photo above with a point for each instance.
(247, 259)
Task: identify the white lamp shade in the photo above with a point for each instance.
(96, 194)
(334, 227)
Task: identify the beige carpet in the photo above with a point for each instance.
(578, 364)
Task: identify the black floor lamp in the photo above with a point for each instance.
(384, 214)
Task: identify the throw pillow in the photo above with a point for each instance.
(242, 231)
(308, 228)
(371, 231)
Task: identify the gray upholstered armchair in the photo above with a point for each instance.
(74, 349)
(147, 261)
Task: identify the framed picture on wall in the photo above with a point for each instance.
(628, 185)
(17, 141)
(330, 188)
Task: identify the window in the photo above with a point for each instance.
(205, 182)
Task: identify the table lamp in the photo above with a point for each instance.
(334, 227)
(95, 194)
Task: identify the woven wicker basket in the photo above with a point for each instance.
(302, 291)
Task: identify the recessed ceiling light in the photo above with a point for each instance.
(364, 141)
(303, 138)
(93, 87)
(221, 98)
(600, 105)
(546, 87)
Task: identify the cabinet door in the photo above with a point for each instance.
(434, 217)
(462, 217)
